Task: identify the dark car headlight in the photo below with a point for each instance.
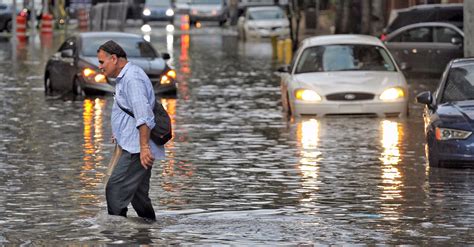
(92, 75)
(443, 134)
(168, 77)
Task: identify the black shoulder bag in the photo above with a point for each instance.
(161, 133)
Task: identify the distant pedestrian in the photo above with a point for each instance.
(130, 178)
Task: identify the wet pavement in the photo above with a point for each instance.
(238, 172)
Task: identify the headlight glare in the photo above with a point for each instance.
(100, 78)
(443, 134)
(392, 94)
(165, 80)
(146, 12)
(91, 75)
(88, 72)
(171, 73)
(169, 12)
(307, 95)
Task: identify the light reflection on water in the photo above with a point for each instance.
(392, 133)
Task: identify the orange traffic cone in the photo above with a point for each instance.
(21, 28)
(47, 23)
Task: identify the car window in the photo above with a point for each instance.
(420, 34)
(445, 34)
(459, 85)
(344, 57)
(158, 2)
(206, 1)
(68, 44)
(267, 14)
(134, 47)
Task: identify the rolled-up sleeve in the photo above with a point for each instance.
(141, 105)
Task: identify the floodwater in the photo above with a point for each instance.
(238, 172)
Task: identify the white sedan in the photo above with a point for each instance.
(344, 75)
(263, 22)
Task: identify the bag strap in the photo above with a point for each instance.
(123, 109)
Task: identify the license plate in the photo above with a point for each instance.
(350, 108)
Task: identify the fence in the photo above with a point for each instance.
(108, 16)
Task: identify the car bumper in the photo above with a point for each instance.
(380, 109)
(103, 87)
(264, 33)
(454, 153)
(157, 18)
(165, 88)
(205, 17)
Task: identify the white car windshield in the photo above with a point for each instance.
(267, 14)
(343, 58)
(460, 84)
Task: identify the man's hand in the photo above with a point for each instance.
(146, 157)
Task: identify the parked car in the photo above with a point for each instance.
(343, 75)
(208, 10)
(263, 21)
(158, 10)
(426, 47)
(449, 117)
(448, 13)
(182, 6)
(75, 66)
(5, 17)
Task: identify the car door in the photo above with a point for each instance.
(62, 68)
(412, 47)
(447, 45)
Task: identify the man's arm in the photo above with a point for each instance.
(146, 157)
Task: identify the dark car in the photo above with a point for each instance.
(5, 17)
(426, 47)
(448, 13)
(158, 10)
(75, 66)
(449, 117)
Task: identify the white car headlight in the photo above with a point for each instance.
(443, 134)
(307, 95)
(392, 94)
(169, 12)
(146, 12)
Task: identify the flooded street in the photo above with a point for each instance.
(237, 172)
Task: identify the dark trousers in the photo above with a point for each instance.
(129, 182)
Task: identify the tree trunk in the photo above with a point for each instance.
(343, 12)
(378, 17)
(366, 16)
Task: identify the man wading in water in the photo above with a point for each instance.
(130, 179)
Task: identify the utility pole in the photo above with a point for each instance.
(468, 28)
(13, 37)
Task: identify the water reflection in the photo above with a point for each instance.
(307, 134)
(185, 69)
(391, 176)
(93, 111)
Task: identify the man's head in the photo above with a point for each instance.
(112, 58)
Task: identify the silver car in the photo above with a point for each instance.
(208, 10)
(426, 47)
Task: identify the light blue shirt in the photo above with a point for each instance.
(134, 92)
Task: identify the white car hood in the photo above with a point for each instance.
(325, 83)
(268, 23)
